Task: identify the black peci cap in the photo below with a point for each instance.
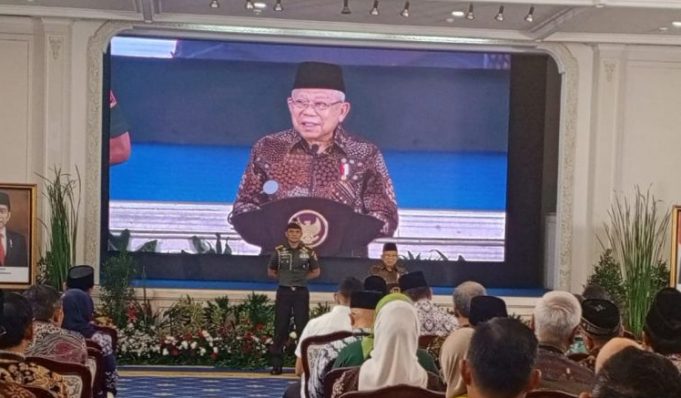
(319, 75)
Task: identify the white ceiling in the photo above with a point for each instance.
(620, 21)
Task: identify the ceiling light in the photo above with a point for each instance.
(676, 24)
(346, 7)
(530, 15)
(458, 14)
(259, 5)
(214, 4)
(500, 15)
(470, 15)
(663, 28)
(449, 20)
(374, 9)
(249, 5)
(405, 10)
(278, 6)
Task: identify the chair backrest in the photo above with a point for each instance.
(95, 362)
(549, 394)
(14, 390)
(34, 376)
(39, 392)
(330, 380)
(76, 377)
(111, 332)
(398, 391)
(310, 348)
(578, 356)
(425, 340)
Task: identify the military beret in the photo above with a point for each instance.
(376, 284)
(81, 277)
(319, 75)
(484, 308)
(664, 317)
(389, 247)
(412, 280)
(365, 299)
(600, 318)
(4, 200)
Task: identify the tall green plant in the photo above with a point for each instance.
(63, 193)
(636, 234)
(117, 274)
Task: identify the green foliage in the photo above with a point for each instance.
(320, 309)
(217, 314)
(63, 193)
(256, 309)
(438, 256)
(186, 316)
(608, 275)
(201, 246)
(636, 235)
(117, 274)
(122, 243)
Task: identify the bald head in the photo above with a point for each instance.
(462, 299)
(611, 348)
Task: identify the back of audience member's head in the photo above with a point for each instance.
(663, 322)
(462, 297)
(45, 301)
(501, 359)
(601, 321)
(16, 322)
(484, 308)
(611, 348)
(556, 318)
(634, 373)
(376, 283)
(347, 287)
(594, 291)
(363, 308)
(414, 285)
(81, 277)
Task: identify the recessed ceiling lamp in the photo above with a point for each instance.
(374, 9)
(470, 15)
(530, 15)
(278, 6)
(259, 5)
(458, 14)
(249, 5)
(500, 15)
(663, 28)
(676, 24)
(346, 7)
(405, 10)
(214, 4)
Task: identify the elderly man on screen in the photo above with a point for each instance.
(318, 157)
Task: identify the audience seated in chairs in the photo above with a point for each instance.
(601, 321)
(78, 312)
(433, 319)
(501, 360)
(634, 373)
(49, 339)
(479, 309)
(362, 307)
(399, 391)
(393, 357)
(556, 319)
(662, 329)
(356, 353)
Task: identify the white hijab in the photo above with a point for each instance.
(393, 360)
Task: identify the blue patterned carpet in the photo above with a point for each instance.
(132, 386)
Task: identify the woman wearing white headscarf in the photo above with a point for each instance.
(393, 358)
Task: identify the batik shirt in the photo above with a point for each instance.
(434, 320)
(350, 171)
(53, 342)
(325, 359)
(110, 372)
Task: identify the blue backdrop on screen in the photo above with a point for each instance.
(442, 129)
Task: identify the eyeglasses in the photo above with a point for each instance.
(319, 106)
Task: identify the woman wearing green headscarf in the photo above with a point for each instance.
(356, 353)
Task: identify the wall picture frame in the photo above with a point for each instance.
(18, 244)
(675, 259)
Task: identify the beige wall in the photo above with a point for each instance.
(626, 122)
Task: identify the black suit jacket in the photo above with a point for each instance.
(16, 254)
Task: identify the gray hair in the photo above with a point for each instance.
(464, 293)
(556, 316)
(340, 96)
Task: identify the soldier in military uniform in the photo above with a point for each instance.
(389, 268)
(292, 264)
(318, 157)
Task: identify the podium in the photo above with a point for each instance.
(329, 227)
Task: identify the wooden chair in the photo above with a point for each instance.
(426, 340)
(14, 390)
(311, 347)
(39, 392)
(578, 356)
(398, 391)
(76, 377)
(111, 332)
(95, 363)
(549, 394)
(330, 379)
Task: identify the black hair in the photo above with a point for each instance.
(44, 301)
(594, 291)
(349, 286)
(418, 293)
(16, 318)
(662, 345)
(502, 355)
(634, 373)
(294, 225)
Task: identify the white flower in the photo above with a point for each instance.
(184, 344)
(293, 335)
(215, 350)
(202, 351)
(165, 352)
(193, 345)
(268, 341)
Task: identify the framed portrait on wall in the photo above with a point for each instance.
(675, 260)
(17, 235)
